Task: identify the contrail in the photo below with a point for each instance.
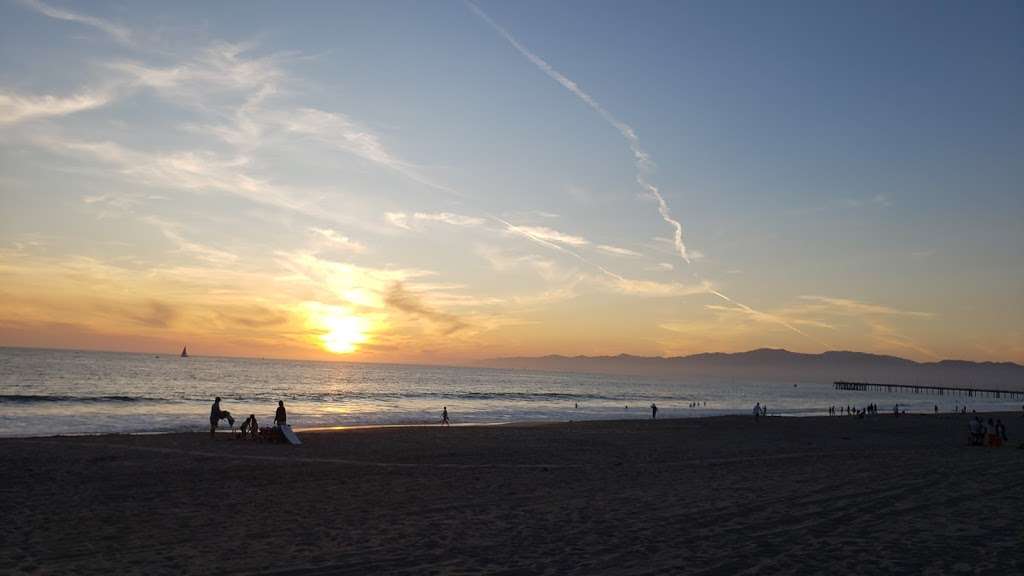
(641, 159)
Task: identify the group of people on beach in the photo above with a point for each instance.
(993, 434)
(868, 410)
(250, 426)
(853, 410)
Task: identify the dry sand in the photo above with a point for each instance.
(727, 495)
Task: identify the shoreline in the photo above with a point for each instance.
(520, 423)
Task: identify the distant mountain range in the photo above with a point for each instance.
(784, 366)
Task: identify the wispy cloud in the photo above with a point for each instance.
(400, 298)
(398, 219)
(194, 171)
(173, 232)
(331, 239)
(449, 218)
(551, 235)
(118, 33)
(617, 251)
(851, 307)
(19, 107)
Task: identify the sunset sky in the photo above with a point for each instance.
(447, 181)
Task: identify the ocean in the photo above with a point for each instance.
(49, 392)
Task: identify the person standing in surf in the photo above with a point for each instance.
(280, 417)
(216, 415)
(654, 411)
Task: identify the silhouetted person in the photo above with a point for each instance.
(250, 427)
(281, 416)
(1001, 430)
(654, 410)
(216, 415)
(757, 412)
(444, 417)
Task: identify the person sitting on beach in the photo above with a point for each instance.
(280, 417)
(250, 427)
(216, 415)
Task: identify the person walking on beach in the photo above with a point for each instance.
(444, 417)
(654, 411)
(281, 416)
(216, 415)
(757, 412)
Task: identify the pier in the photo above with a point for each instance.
(940, 390)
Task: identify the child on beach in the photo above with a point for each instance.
(250, 427)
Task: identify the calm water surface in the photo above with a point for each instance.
(47, 392)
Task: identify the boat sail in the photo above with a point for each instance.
(184, 351)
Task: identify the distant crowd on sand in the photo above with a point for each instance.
(993, 435)
(250, 428)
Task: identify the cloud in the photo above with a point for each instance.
(399, 298)
(505, 262)
(449, 218)
(17, 107)
(654, 289)
(851, 307)
(765, 317)
(217, 67)
(255, 316)
(339, 131)
(194, 171)
(399, 219)
(117, 33)
(154, 314)
(332, 239)
(550, 235)
(617, 251)
(172, 232)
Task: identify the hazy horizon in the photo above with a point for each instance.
(446, 183)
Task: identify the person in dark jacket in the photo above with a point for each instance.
(216, 415)
(280, 417)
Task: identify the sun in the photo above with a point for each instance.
(343, 331)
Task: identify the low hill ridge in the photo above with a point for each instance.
(776, 364)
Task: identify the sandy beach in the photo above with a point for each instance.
(728, 495)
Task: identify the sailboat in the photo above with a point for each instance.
(184, 351)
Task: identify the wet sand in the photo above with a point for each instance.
(881, 495)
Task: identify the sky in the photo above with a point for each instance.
(448, 181)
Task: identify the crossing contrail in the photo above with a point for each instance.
(641, 159)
